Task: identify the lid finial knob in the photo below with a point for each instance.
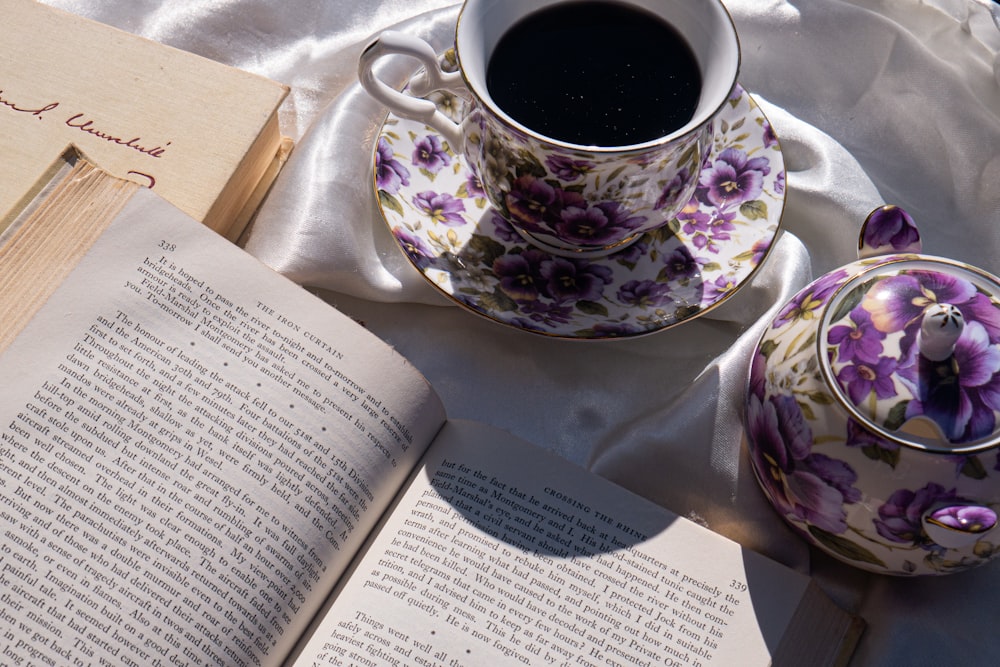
(940, 329)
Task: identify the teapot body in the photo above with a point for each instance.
(875, 447)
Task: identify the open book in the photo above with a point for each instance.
(202, 463)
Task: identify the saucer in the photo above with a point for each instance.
(440, 218)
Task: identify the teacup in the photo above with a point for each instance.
(587, 178)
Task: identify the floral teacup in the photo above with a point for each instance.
(569, 199)
(872, 406)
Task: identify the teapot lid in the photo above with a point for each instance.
(911, 346)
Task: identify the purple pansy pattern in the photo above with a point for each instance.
(873, 353)
(440, 216)
(838, 391)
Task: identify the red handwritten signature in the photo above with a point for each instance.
(79, 122)
(82, 123)
(34, 112)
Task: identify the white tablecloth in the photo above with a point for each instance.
(873, 100)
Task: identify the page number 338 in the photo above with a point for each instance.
(166, 245)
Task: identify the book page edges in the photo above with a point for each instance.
(236, 220)
(820, 633)
(35, 192)
(55, 232)
(250, 181)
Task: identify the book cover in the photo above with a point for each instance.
(202, 134)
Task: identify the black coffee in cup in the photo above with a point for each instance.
(595, 73)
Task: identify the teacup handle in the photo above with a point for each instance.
(434, 78)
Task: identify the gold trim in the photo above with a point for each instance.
(837, 390)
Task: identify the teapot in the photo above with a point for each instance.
(871, 410)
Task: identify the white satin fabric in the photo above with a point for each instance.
(873, 100)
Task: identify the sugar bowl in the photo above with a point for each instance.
(871, 413)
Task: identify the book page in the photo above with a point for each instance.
(192, 448)
(502, 554)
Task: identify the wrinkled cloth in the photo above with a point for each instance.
(874, 101)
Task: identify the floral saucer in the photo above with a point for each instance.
(440, 217)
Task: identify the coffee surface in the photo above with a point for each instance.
(595, 73)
